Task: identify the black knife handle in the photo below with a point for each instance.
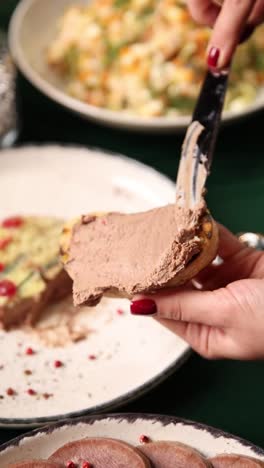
(208, 111)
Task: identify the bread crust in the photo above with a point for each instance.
(99, 451)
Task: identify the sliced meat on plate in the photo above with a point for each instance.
(101, 453)
(165, 454)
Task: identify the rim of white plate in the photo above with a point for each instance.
(207, 439)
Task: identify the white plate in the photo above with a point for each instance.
(127, 427)
(33, 25)
(67, 181)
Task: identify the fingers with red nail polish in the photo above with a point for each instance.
(232, 24)
(213, 56)
(143, 307)
(228, 29)
(203, 11)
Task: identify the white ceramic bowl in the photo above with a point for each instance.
(32, 27)
(127, 427)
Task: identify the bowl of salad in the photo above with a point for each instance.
(137, 64)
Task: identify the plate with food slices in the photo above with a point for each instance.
(50, 350)
(128, 64)
(134, 440)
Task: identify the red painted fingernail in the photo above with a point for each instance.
(143, 307)
(213, 57)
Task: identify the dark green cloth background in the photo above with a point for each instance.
(225, 394)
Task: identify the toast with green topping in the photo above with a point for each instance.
(31, 274)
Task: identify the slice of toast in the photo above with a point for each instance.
(30, 268)
(206, 233)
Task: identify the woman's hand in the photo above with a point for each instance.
(225, 319)
(231, 24)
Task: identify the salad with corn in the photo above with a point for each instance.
(145, 57)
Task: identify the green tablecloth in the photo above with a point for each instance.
(225, 394)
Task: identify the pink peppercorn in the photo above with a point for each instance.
(5, 242)
(143, 439)
(70, 464)
(7, 288)
(86, 465)
(58, 364)
(92, 357)
(12, 222)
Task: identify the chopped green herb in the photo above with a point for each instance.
(51, 264)
(13, 265)
(259, 60)
(148, 10)
(112, 52)
(27, 278)
(182, 102)
(71, 59)
(121, 3)
(153, 92)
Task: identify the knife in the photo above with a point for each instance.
(199, 143)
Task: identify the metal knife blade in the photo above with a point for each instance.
(199, 143)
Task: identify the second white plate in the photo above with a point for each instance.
(119, 360)
(127, 427)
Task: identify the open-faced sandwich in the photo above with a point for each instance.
(121, 255)
(31, 274)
